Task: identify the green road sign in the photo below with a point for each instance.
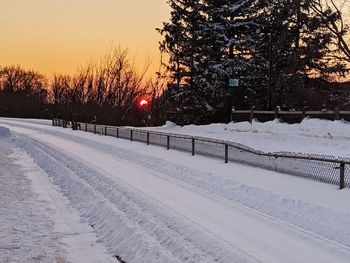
(233, 83)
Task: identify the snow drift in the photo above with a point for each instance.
(308, 127)
(322, 137)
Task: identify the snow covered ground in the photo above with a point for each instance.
(310, 136)
(36, 224)
(147, 204)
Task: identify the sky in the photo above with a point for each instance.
(59, 36)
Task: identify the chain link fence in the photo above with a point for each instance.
(326, 169)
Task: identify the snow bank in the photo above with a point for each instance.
(324, 128)
(308, 127)
(34, 121)
(321, 137)
(169, 124)
(4, 132)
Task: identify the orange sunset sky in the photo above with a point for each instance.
(59, 36)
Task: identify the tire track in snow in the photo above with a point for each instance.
(123, 219)
(298, 214)
(102, 144)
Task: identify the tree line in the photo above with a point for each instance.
(217, 54)
(105, 91)
(245, 53)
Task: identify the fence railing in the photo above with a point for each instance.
(327, 169)
(335, 114)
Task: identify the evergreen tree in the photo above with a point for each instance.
(300, 44)
(230, 32)
(274, 47)
(182, 44)
(181, 39)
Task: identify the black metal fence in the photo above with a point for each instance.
(327, 169)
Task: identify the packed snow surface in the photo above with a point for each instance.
(4, 132)
(147, 204)
(311, 136)
(35, 222)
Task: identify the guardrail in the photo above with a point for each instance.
(327, 169)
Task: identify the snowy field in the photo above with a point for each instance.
(80, 197)
(310, 136)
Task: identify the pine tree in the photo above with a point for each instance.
(300, 45)
(208, 42)
(182, 44)
(231, 29)
(274, 47)
(181, 39)
(218, 64)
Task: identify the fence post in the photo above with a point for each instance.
(53, 122)
(131, 135)
(226, 153)
(193, 146)
(86, 127)
(105, 130)
(232, 109)
(94, 128)
(342, 176)
(336, 113)
(168, 142)
(276, 112)
(251, 118)
(303, 114)
(147, 138)
(117, 133)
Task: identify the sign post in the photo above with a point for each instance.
(233, 85)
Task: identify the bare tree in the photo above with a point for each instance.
(155, 91)
(107, 89)
(117, 84)
(23, 92)
(60, 94)
(340, 29)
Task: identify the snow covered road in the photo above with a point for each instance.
(36, 224)
(147, 204)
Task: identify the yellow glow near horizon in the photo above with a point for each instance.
(59, 36)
